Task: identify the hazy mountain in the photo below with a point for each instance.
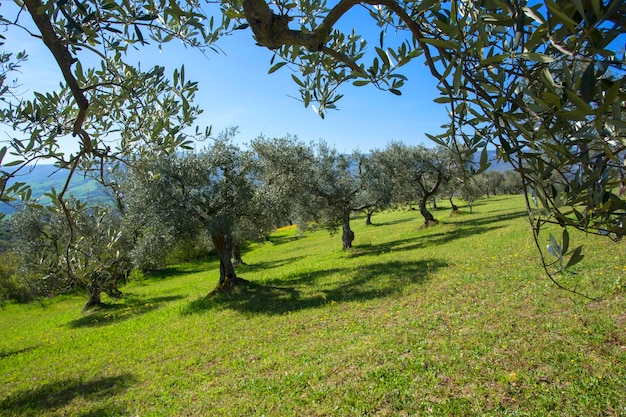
(495, 164)
(42, 178)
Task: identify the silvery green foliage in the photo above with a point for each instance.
(106, 104)
(112, 109)
(96, 260)
(180, 198)
(283, 171)
(416, 173)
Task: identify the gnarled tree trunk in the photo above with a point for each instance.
(224, 247)
(429, 219)
(424, 194)
(237, 260)
(94, 296)
(348, 235)
(455, 208)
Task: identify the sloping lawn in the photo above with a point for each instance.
(455, 320)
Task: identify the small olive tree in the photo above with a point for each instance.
(282, 173)
(377, 186)
(97, 260)
(315, 183)
(335, 191)
(417, 172)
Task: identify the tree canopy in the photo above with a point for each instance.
(176, 198)
(110, 107)
(97, 260)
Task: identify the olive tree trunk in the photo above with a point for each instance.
(455, 208)
(237, 260)
(424, 195)
(429, 219)
(94, 291)
(348, 235)
(224, 247)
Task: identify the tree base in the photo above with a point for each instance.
(228, 286)
(430, 223)
(237, 262)
(93, 304)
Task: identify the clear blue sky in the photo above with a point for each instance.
(236, 90)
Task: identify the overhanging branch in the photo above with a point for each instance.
(65, 61)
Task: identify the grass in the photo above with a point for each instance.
(455, 320)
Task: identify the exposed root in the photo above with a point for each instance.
(429, 224)
(228, 286)
(93, 305)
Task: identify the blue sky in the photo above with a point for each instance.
(236, 90)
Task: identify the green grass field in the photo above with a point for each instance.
(455, 320)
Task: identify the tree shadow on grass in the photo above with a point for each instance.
(462, 228)
(391, 222)
(281, 240)
(55, 395)
(492, 219)
(131, 306)
(264, 266)
(173, 272)
(6, 354)
(312, 289)
(419, 242)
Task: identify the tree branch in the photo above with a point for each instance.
(272, 30)
(335, 14)
(343, 58)
(65, 61)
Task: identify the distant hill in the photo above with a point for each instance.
(42, 178)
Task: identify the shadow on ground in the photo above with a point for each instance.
(418, 242)
(312, 289)
(6, 354)
(462, 228)
(58, 394)
(491, 219)
(264, 266)
(130, 306)
(375, 223)
(280, 240)
(172, 272)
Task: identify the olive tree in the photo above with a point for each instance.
(417, 172)
(282, 170)
(314, 183)
(377, 186)
(97, 260)
(108, 106)
(335, 191)
(113, 110)
(492, 182)
(542, 82)
(177, 197)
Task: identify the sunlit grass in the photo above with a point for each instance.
(453, 320)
